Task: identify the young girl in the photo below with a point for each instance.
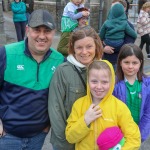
(69, 22)
(133, 87)
(143, 27)
(19, 18)
(99, 110)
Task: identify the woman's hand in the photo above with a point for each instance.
(108, 49)
(92, 114)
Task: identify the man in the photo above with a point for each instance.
(29, 7)
(26, 69)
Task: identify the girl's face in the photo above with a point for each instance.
(85, 50)
(77, 2)
(130, 66)
(147, 9)
(99, 83)
(17, 1)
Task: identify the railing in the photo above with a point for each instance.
(133, 14)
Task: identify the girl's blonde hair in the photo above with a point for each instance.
(83, 1)
(146, 5)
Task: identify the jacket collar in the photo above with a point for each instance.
(28, 53)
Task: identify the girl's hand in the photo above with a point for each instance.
(92, 114)
(85, 13)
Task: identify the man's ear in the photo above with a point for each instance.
(27, 30)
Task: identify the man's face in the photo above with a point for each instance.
(39, 39)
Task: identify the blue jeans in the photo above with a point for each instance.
(20, 30)
(10, 142)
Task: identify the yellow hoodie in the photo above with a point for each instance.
(114, 113)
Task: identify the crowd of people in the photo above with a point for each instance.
(91, 92)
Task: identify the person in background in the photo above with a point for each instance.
(29, 7)
(82, 23)
(19, 18)
(140, 4)
(26, 69)
(99, 110)
(127, 8)
(69, 82)
(143, 27)
(109, 53)
(69, 23)
(133, 87)
(115, 28)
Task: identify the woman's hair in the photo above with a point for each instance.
(129, 50)
(83, 1)
(124, 3)
(98, 65)
(146, 5)
(81, 34)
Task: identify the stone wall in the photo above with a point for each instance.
(56, 8)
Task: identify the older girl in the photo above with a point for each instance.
(133, 87)
(143, 27)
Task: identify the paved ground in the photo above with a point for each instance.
(11, 37)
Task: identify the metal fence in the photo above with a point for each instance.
(133, 13)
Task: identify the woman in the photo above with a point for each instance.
(69, 82)
(143, 27)
(19, 17)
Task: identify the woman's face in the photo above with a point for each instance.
(82, 22)
(147, 9)
(77, 2)
(17, 1)
(85, 50)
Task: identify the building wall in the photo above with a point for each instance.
(56, 8)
